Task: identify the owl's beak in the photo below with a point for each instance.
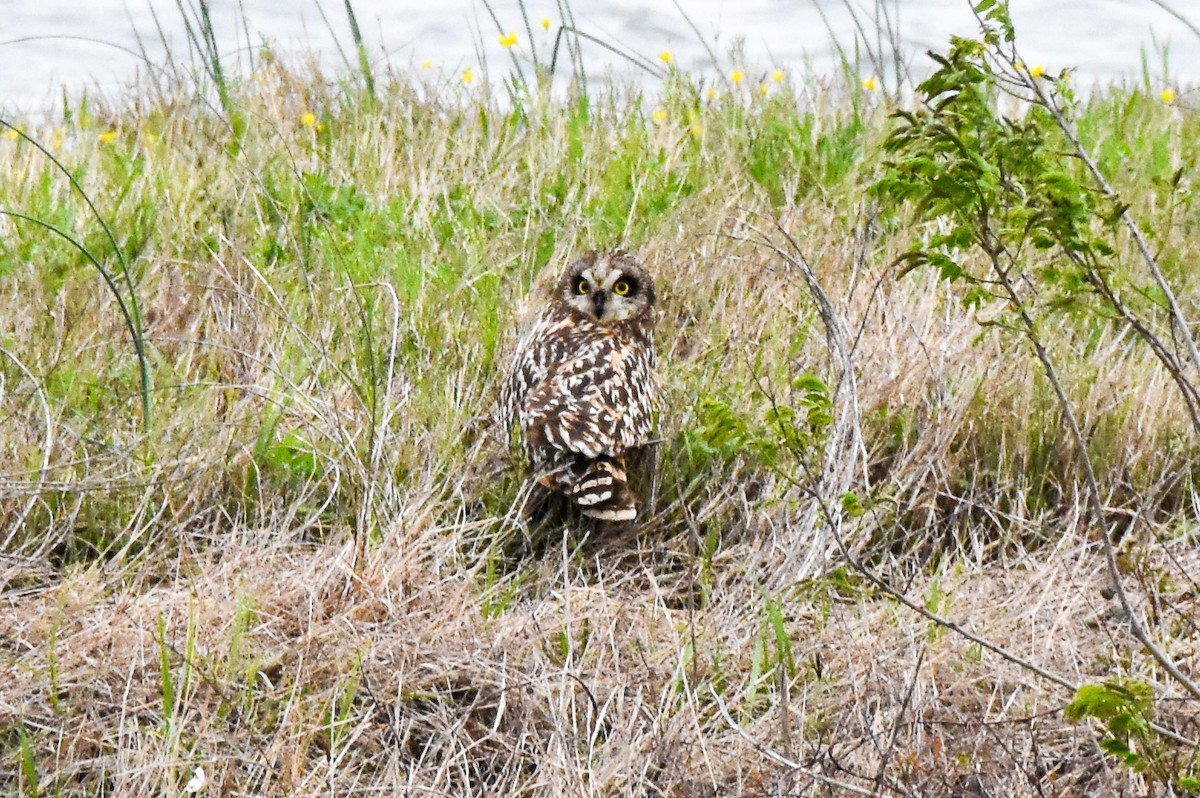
(598, 299)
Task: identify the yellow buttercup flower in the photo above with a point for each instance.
(660, 115)
(869, 83)
(777, 76)
(1167, 96)
(308, 119)
(108, 137)
(427, 63)
(545, 23)
(763, 89)
(1038, 71)
(666, 56)
(736, 76)
(712, 93)
(468, 75)
(509, 39)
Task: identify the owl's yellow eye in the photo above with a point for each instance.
(621, 288)
(581, 287)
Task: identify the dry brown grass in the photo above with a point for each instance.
(295, 675)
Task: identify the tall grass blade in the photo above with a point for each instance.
(166, 682)
(537, 66)
(131, 312)
(1184, 21)
(203, 39)
(573, 48)
(214, 55)
(364, 61)
(28, 765)
(333, 34)
(246, 33)
(700, 37)
(634, 58)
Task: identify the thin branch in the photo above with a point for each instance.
(1093, 488)
(778, 758)
(891, 746)
(1187, 23)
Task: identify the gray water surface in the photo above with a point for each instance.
(49, 45)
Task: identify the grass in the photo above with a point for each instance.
(307, 576)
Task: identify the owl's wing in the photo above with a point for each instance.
(597, 402)
(512, 391)
(529, 368)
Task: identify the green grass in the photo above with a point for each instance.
(308, 574)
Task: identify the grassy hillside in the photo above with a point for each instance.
(307, 571)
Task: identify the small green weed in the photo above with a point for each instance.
(1125, 707)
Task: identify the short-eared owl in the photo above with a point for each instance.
(582, 387)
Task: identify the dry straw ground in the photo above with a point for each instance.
(308, 576)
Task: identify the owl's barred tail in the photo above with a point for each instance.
(598, 486)
(601, 492)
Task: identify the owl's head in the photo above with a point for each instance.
(607, 286)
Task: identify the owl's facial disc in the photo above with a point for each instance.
(604, 290)
(594, 291)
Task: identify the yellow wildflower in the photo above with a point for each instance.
(509, 39)
(545, 23)
(665, 56)
(736, 76)
(869, 83)
(108, 137)
(11, 134)
(1037, 71)
(1167, 96)
(763, 89)
(697, 130)
(712, 93)
(1019, 66)
(427, 63)
(468, 75)
(777, 76)
(660, 115)
(308, 119)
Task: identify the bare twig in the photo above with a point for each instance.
(1183, 329)
(904, 705)
(779, 759)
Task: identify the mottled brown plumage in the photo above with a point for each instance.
(582, 388)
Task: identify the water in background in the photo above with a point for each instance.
(49, 45)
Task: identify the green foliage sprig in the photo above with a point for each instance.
(996, 183)
(1126, 708)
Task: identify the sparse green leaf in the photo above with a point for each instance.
(28, 764)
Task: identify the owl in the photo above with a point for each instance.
(582, 387)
